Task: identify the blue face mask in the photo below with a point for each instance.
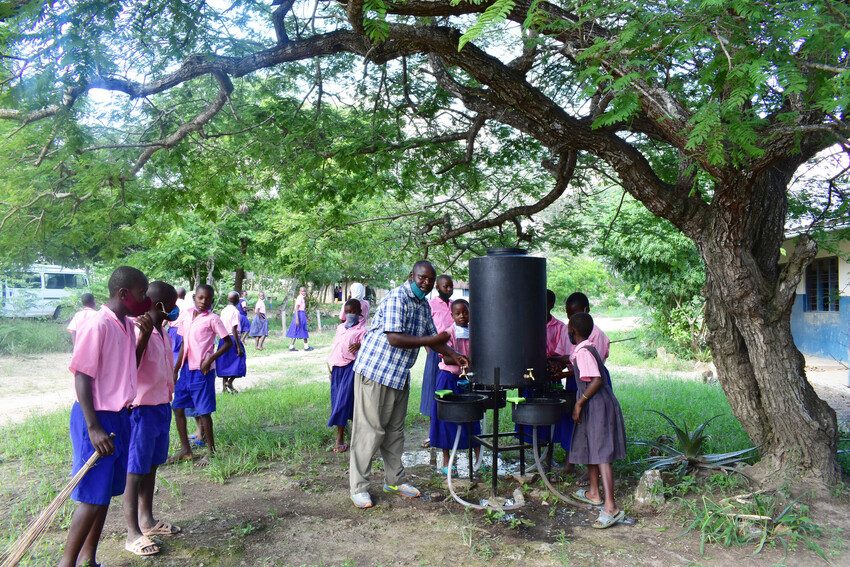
(351, 319)
(461, 332)
(171, 315)
(416, 291)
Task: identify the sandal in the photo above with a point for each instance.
(139, 546)
(607, 520)
(340, 448)
(581, 496)
(161, 529)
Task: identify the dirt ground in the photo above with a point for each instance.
(301, 516)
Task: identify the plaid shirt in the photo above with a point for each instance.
(399, 312)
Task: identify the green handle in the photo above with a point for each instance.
(441, 393)
(515, 399)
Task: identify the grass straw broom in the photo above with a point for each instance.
(15, 553)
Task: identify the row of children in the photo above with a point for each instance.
(129, 376)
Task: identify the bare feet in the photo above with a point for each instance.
(340, 448)
(179, 457)
(203, 461)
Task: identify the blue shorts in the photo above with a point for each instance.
(149, 428)
(195, 390)
(109, 475)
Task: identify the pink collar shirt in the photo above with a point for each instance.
(557, 338)
(597, 338)
(155, 383)
(105, 350)
(199, 330)
(584, 360)
(185, 305)
(79, 317)
(230, 318)
(300, 303)
(340, 356)
(441, 312)
(260, 307)
(460, 345)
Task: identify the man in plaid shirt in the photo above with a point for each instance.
(400, 327)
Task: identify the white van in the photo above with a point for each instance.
(41, 291)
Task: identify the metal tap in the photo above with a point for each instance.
(529, 374)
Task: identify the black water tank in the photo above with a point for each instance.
(507, 294)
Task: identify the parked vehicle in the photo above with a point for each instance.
(41, 291)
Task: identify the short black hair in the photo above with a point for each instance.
(87, 300)
(181, 292)
(579, 300)
(126, 277)
(163, 292)
(233, 297)
(206, 287)
(354, 304)
(551, 298)
(423, 264)
(460, 302)
(442, 277)
(582, 323)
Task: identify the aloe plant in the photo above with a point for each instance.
(687, 455)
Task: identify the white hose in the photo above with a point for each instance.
(542, 472)
(492, 505)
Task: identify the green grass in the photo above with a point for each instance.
(33, 336)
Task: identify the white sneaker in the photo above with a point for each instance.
(362, 500)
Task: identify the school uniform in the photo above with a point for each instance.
(230, 364)
(79, 317)
(105, 350)
(442, 433)
(298, 327)
(342, 372)
(150, 417)
(259, 325)
(194, 389)
(600, 436)
(186, 307)
(244, 323)
(441, 313)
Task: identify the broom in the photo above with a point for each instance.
(15, 553)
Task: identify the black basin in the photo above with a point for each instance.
(539, 411)
(461, 408)
(569, 397)
(494, 397)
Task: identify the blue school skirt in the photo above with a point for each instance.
(342, 395)
(429, 378)
(298, 327)
(442, 433)
(176, 342)
(259, 327)
(244, 323)
(231, 364)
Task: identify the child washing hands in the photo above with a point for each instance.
(599, 435)
(442, 434)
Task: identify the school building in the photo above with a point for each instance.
(820, 318)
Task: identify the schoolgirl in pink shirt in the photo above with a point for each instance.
(195, 385)
(150, 418)
(441, 313)
(232, 364)
(298, 328)
(104, 369)
(341, 360)
(442, 433)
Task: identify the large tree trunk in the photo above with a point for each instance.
(748, 314)
(239, 278)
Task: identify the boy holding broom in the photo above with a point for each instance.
(104, 369)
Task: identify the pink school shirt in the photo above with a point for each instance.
(441, 313)
(79, 317)
(230, 318)
(557, 338)
(364, 310)
(105, 350)
(260, 307)
(340, 356)
(199, 329)
(585, 362)
(597, 338)
(155, 383)
(300, 303)
(460, 345)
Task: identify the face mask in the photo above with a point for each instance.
(416, 291)
(443, 296)
(461, 332)
(136, 308)
(351, 319)
(171, 315)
